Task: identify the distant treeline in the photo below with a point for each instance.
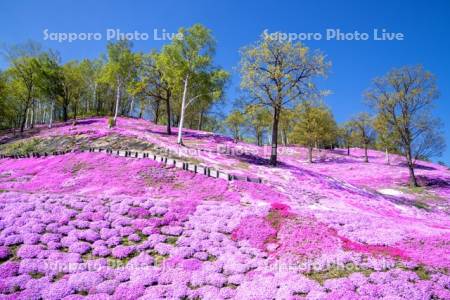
(180, 85)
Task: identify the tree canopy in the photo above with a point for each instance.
(277, 74)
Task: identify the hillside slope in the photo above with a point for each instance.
(92, 225)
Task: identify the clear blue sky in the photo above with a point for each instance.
(425, 24)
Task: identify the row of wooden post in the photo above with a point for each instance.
(199, 169)
(34, 154)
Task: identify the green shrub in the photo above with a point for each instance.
(111, 122)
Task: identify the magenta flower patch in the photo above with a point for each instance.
(99, 226)
(254, 229)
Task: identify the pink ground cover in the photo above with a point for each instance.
(96, 226)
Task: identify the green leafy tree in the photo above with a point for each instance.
(314, 124)
(50, 81)
(259, 119)
(287, 120)
(23, 70)
(345, 135)
(363, 131)
(91, 70)
(187, 65)
(404, 97)
(120, 69)
(72, 87)
(386, 136)
(235, 122)
(7, 108)
(24, 76)
(277, 73)
(153, 86)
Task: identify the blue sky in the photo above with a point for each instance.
(425, 25)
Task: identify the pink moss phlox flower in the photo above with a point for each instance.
(29, 251)
(84, 281)
(128, 291)
(57, 290)
(121, 251)
(80, 247)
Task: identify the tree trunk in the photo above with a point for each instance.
(286, 142)
(388, 161)
(98, 103)
(24, 120)
(348, 149)
(412, 175)
(51, 114)
(141, 109)
(117, 101)
(75, 111)
(273, 155)
(310, 152)
(130, 113)
(43, 113)
(183, 105)
(366, 157)
(200, 120)
(169, 117)
(65, 104)
(94, 98)
(32, 115)
(156, 120)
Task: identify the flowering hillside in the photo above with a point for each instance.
(98, 226)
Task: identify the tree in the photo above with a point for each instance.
(7, 108)
(71, 88)
(235, 121)
(286, 124)
(386, 136)
(404, 97)
(363, 130)
(187, 66)
(50, 81)
(258, 118)
(154, 85)
(24, 75)
(120, 69)
(91, 71)
(314, 124)
(345, 134)
(276, 73)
